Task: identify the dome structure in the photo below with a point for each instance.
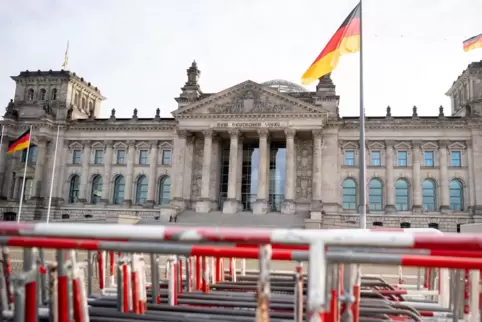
(284, 86)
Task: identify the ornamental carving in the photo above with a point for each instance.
(197, 169)
(250, 102)
(304, 170)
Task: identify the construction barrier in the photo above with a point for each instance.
(194, 274)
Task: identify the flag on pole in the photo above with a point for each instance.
(21, 143)
(473, 43)
(66, 56)
(345, 40)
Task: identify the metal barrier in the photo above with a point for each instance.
(188, 280)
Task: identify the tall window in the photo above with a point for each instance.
(53, 95)
(76, 154)
(401, 195)
(349, 194)
(99, 157)
(32, 154)
(350, 158)
(164, 190)
(376, 159)
(74, 188)
(428, 160)
(30, 95)
(375, 195)
(121, 156)
(143, 156)
(141, 190)
(456, 159)
(119, 186)
(166, 157)
(27, 192)
(84, 104)
(429, 193)
(96, 193)
(456, 195)
(43, 94)
(402, 158)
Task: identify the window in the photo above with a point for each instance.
(76, 155)
(143, 156)
(402, 158)
(96, 193)
(375, 195)
(84, 104)
(91, 107)
(164, 190)
(401, 195)
(433, 225)
(429, 199)
(119, 186)
(377, 224)
(376, 159)
(43, 94)
(76, 99)
(27, 191)
(99, 157)
(121, 157)
(53, 95)
(141, 190)
(428, 159)
(10, 216)
(350, 158)
(456, 195)
(405, 225)
(456, 159)
(32, 155)
(30, 95)
(349, 194)
(166, 157)
(74, 189)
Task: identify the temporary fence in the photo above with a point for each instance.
(194, 274)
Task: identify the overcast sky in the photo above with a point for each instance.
(137, 52)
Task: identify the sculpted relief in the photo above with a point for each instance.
(250, 102)
(304, 170)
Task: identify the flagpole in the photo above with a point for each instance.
(362, 176)
(53, 174)
(24, 175)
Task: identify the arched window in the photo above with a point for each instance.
(401, 195)
(32, 154)
(84, 103)
(164, 190)
(43, 94)
(53, 95)
(96, 192)
(429, 199)
(91, 107)
(141, 190)
(119, 185)
(375, 195)
(30, 94)
(456, 195)
(349, 194)
(74, 188)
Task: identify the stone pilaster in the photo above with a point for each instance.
(178, 162)
(331, 194)
(131, 159)
(151, 192)
(62, 160)
(470, 181)
(188, 169)
(317, 203)
(239, 174)
(260, 206)
(3, 166)
(390, 184)
(416, 183)
(288, 206)
(204, 204)
(108, 153)
(39, 169)
(230, 205)
(84, 175)
(444, 178)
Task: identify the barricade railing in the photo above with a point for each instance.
(188, 279)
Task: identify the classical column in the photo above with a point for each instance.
(62, 173)
(188, 168)
(131, 159)
(39, 169)
(85, 171)
(204, 204)
(260, 206)
(316, 202)
(444, 178)
(390, 190)
(288, 206)
(151, 192)
(470, 164)
(3, 167)
(230, 205)
(178, 162)
(239, 174)
(416, 183)
(107, 172)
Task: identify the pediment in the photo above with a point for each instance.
(350, 146)
(402, 146)
(456, 146)
(19, 170)
(429, 146)
(120, 145)
(376, 146)
(249, 98)
(165, 145)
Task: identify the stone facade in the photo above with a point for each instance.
(250, 148)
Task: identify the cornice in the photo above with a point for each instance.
(251, 116)
(123, 127)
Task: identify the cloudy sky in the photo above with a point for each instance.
(137, 52)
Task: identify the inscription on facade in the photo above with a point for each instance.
(250, 124)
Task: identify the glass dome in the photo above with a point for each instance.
(284, 86)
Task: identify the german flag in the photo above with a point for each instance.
(473, 43)
(345, 40)
(20, 144)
